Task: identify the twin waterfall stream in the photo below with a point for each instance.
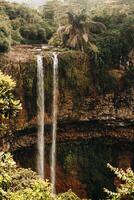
(55, 109)
(40, 119)
(40, 116)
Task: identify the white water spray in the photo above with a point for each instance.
(40, 116)
(55, 110)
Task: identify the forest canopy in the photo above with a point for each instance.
(22, 25)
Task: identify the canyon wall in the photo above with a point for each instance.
(79, 99)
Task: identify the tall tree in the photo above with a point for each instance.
(78, 33)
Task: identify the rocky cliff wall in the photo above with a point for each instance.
(78, 98)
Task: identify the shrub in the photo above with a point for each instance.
(22, 184)
(9, 106)
(68, 196)
(126, 189)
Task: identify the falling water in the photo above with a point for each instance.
(40, 116)
(55, 110)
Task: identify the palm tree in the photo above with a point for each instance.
(78, 33)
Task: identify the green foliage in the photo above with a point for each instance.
(110, 47)
(22, 184)
(16, 37)
(55, 41)
(9, 106)
(5, 31)
(54, 12)
(68, 196)
(39, 190)
(126, 189)
(70, 161)
(33, 34)
(6, 165)
(77, 34)
(4, 44)
(114, 45)
(20, 24)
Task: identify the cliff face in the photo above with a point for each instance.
(78, 99)
(83, 112)
(21, 64)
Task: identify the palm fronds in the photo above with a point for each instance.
(78, 33)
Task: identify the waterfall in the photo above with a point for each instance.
(55, 110)
(40, 116)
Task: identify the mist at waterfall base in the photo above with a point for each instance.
(55, 110)
(40, 116)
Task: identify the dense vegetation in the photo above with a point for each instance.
(105, 32)
(114, 47)
(22, 25)
(126, 189)
(9, 105)
(22, 184)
